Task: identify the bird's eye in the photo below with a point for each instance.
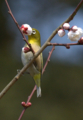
(34, 32)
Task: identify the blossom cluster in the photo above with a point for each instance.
(74, 33)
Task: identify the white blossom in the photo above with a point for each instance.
(61, 32)
(80, 31)
(75, 35)
(26, 29)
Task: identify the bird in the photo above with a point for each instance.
(35, 69)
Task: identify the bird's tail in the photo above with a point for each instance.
(37, 81)
(38, 91)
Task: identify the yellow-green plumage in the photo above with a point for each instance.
(36, 68)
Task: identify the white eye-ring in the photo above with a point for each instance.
(33, 32)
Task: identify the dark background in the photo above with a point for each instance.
(62, 82)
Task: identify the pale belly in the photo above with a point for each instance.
(26, 58)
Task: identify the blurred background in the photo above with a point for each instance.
(62, 82)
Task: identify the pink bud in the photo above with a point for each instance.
(26, 49)
(61, 32)
(66, 26)
(81, 40)
(26, 104)
(74, 28)
(29, 104)
(67, 46)
(23, 104)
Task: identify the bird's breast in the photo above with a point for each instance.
(26, 57)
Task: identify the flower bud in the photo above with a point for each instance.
(66, 26)
(26, 104)
(67, 46)
(74, 28)
(25, 49)
(81, 40)
(61, 32)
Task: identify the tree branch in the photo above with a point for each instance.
(29, 98)
(64, 44)
(47, 43)
(41, 49)
(24, 38)
(48, 59)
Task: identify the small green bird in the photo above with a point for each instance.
(35, 68)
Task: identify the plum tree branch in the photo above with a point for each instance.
(48, 59)
(47, 43)
(29, 98)
(24, 38)
(64, 44)
(41, 49)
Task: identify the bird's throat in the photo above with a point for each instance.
(34, 41)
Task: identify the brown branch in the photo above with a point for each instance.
(64, 44)
(75, 11)
(69, 18)
(29, 98)
(50, 53)
(48, 59)
(26, 66)
(36, 55)
(24, 38)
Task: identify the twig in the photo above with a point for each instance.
(15, 78)
(48, 59)
(75, 11)
(64, 44)
(41, 49)
(29, 98)
(24, 38)
(36, 55)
